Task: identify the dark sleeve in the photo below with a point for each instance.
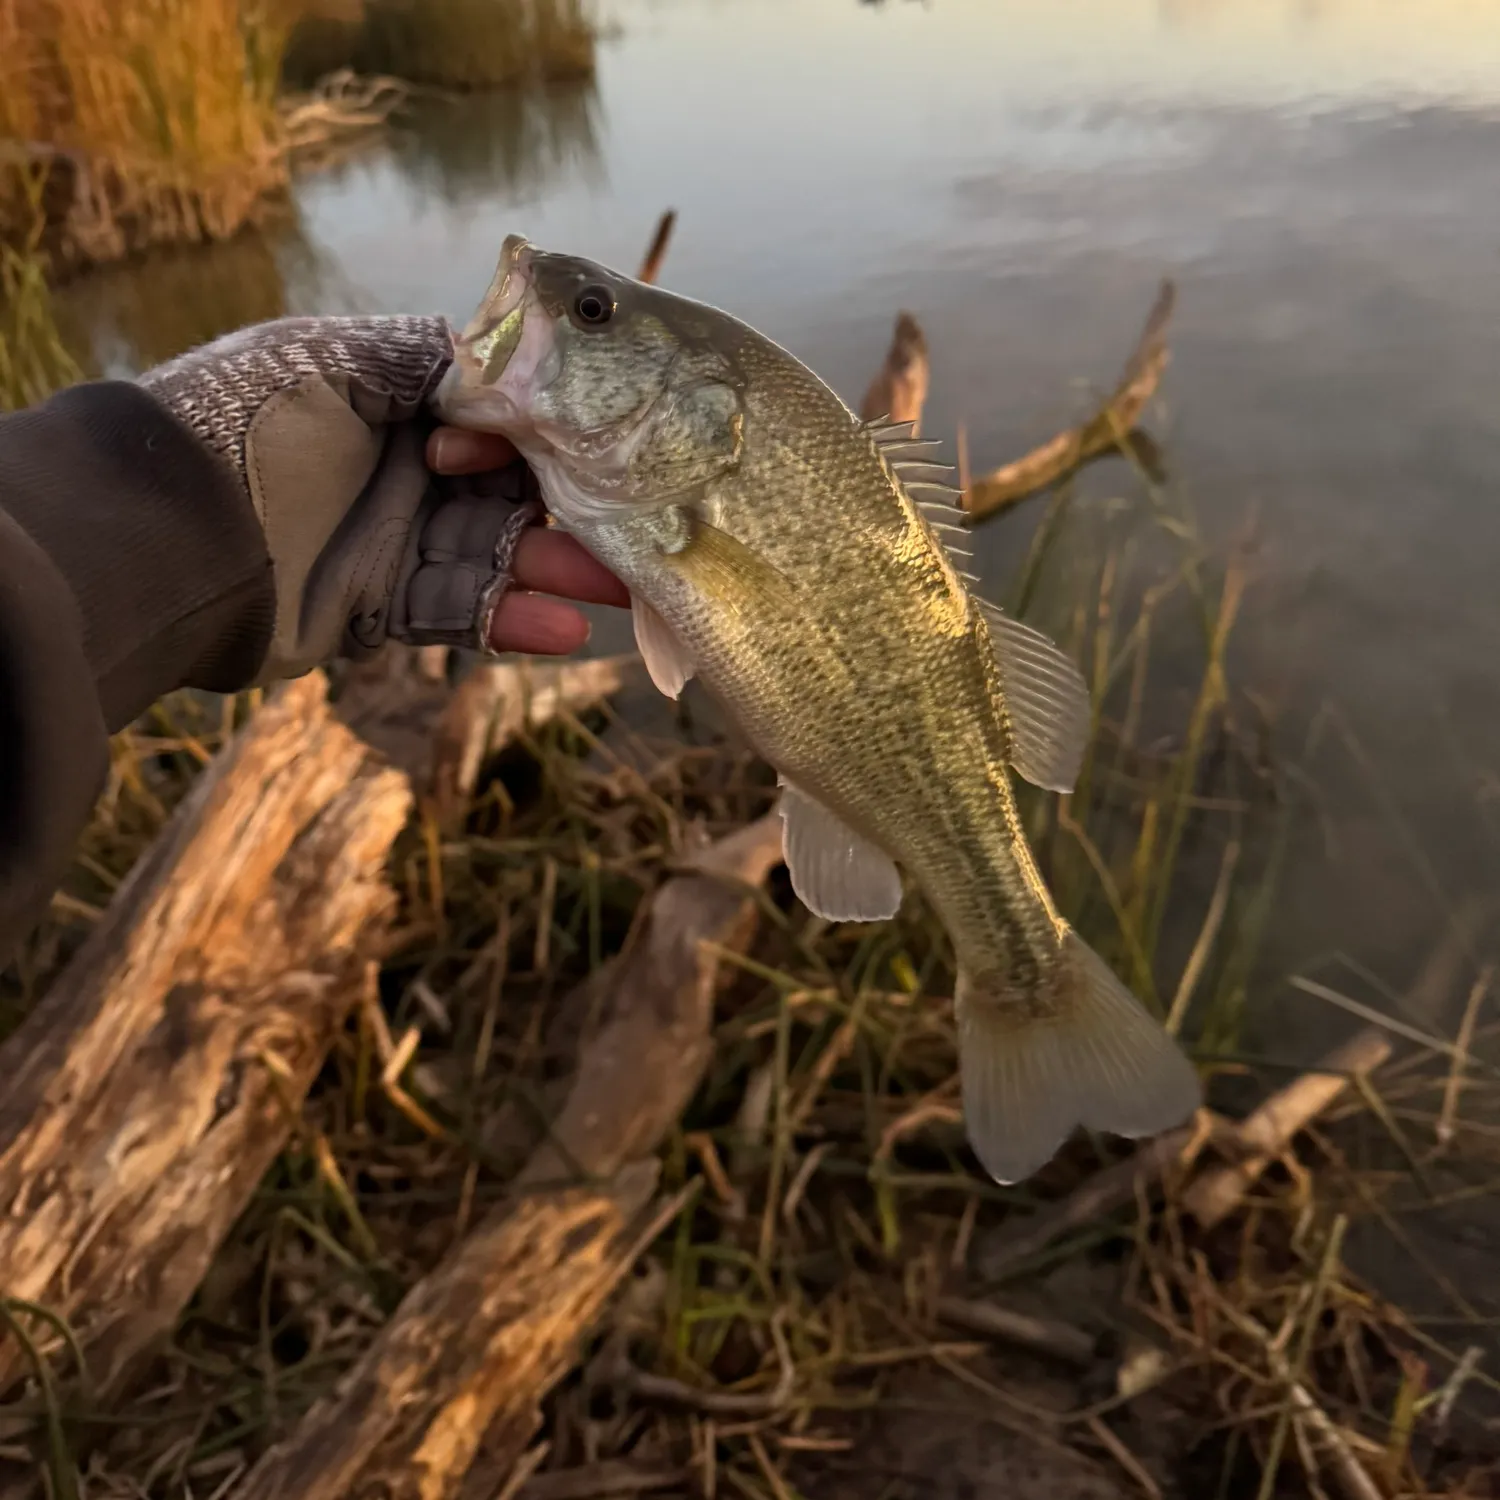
(131, 563)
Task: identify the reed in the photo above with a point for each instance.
(154, 120)
(34, 360)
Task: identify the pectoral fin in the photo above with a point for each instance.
(1046, 701)
(837, 873)
(665, 656)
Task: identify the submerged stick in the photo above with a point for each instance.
(656, 253)
(898, 392)
(149, 1091)
(1269, 1130)
(1109, 428)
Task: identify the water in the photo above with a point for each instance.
(1323, 181)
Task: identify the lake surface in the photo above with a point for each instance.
(1321, 178)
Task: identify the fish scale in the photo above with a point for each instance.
(773, 550)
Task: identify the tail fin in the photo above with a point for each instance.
(1097, 1059)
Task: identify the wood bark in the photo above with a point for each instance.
(402, 703)
(470, 1353)
(147, 1094)
(447, 1400)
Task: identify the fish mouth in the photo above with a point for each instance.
(474, 392)
(485, 347)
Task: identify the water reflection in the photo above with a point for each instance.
(126, 318)
(512, 142)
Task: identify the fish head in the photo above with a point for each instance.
(618, 394)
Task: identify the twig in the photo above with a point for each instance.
(1347, 1469)
(1061, 1341)
(1455, 1083)
(1266, 1133)
(1101, 1195)
(651, 265)
(1109, 427)
(616, 1369)
(1124, 1457)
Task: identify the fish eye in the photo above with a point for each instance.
(594, 305)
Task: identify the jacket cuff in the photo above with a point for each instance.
(155, 539)
(54, 749)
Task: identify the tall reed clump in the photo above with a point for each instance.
(155, 120)
(33, 359)
(477, 43)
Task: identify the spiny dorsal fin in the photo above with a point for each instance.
(1046, 702)
(887, 434)
(932, 489)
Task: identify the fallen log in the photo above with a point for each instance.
(1103, 432)
(470, 1353)
(447, 1400)
(148, 1092)
(402, 703)
(497, 702)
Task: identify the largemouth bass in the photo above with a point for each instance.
(776, 547)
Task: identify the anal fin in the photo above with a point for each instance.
(837, 873)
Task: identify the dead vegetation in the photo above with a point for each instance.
(625, 1176)
(165, 122)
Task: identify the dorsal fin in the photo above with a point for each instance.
(1046, 702)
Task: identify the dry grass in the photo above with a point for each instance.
(33, 358)
(155, 119)
(793, 1318)
(806, 1326)
(160, 121)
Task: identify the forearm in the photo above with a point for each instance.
(131, 563)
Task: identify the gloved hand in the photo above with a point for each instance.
(323, 422)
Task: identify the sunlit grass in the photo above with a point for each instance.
(155, 120)
(33, 359)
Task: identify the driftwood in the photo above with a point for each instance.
(470, 1353)
(1100, 434)
(447, 1400)
(402, 703)
(641, 1063)
(497, 702)
(899, 390)
(656, 252)
(149, 1091)
(1267, 1132)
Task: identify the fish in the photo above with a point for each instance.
(793, 559)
